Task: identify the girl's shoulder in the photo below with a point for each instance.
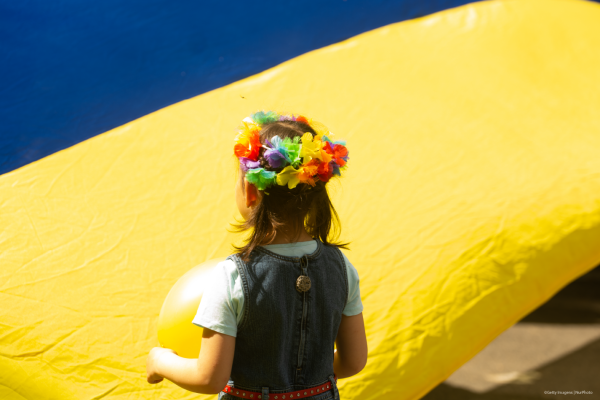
(350, 269)
(354, 304)
(224, 275)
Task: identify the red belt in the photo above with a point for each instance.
(296, 394)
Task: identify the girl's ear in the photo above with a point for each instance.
(251, 194)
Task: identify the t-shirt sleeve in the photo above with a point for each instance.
(354, 304)
(222, 301)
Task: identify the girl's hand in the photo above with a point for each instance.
(207, 374)
(152, 375)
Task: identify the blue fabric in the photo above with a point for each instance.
(285, 340)
(73, 69)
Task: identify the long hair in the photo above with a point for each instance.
(283, 209)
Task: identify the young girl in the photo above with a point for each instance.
(275, 309)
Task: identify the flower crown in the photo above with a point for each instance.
(303, 159)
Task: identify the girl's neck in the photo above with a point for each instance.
(282, 239)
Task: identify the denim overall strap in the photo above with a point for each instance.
(336, 394)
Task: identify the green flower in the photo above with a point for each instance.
(261, 178)
(263, 117)
(293, 148)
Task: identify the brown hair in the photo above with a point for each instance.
(290, 209)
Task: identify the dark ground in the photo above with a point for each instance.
(555, 348)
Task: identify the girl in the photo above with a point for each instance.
(275, 309)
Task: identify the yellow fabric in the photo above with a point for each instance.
(472, 196)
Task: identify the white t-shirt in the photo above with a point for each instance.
(222, 304)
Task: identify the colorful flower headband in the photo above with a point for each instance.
(303, 159)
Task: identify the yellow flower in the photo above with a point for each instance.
(310, 148)
(288, 175)
(320, 129)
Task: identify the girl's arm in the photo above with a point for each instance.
(351, 343)
(207, 374)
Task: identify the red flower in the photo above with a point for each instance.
(337, 151)
(325, 171)
(302, 119)
(247, 142)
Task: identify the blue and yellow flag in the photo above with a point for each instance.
(472, 198)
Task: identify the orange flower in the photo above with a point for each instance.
(307, 171)
(247, 142)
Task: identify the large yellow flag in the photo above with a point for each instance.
(473, 195)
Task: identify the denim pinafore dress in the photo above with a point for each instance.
(285, 338)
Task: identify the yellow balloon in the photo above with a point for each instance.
(175, 328)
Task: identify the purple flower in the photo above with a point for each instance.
(246, 164)
(277, 154)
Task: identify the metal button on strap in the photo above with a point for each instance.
(303, 282)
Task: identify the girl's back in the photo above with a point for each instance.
(286, 336)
